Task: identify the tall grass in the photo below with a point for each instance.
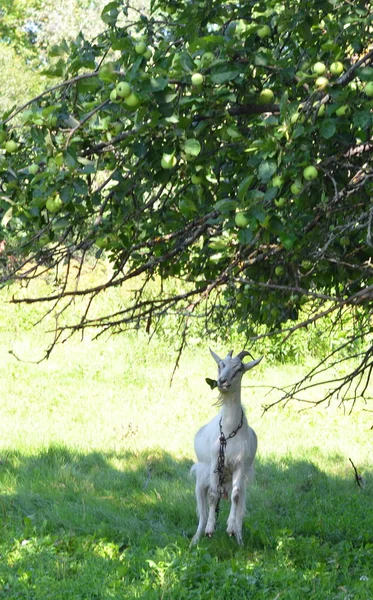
(96, 500)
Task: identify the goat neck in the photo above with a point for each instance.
(231, 410)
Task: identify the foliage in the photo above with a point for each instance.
(237, 160)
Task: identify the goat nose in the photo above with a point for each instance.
(222, 381)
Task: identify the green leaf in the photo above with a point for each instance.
(110, 13)
(266, 169)
(157, 84)
(244, 186)
(245, 236)
(192, 147)
(226, 205)
(186, 62)
(224, 76)
(328, 129)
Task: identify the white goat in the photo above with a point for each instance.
(225, 450)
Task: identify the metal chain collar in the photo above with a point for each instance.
(221, 459)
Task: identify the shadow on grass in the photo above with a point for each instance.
(86, 525)
(149, 495)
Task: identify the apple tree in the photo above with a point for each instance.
(223, 145)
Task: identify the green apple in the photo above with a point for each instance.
(168, 161)
(197, 79)
(295, 118)
(322, 82)
(279, 270)
(196, 179)
(295, 189)
(207, 59)
(319, 68)
(306, 265)
(33, 168)
(368, 90)
(277, 181)
(123, 89)
(102, 242)
(280, 202)
(140, 48)
(241, 220)
(266, 96)
(310, 173)
(344, 241)
(132, 101)
(114, 96)
(321, 109)
(336, 68)
(11, 146)
(43, 240)
(54, 204)
(264, 31)
(342, 110)
(148, 54)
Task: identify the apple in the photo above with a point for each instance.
(197, 79)
(196, 179)
(279, 270)
(54, 204)
(310, 173)
(321, 109)
(295, 189)
(140, 48)
(207, 59)
(11, 146)
(132, 101)
(277, 181)
(241, 220)
(369, 89)
(294, 118)
(168, 161)
(264, 31)
(342, 110)
(43, 240)
(113, 96)
(336, 68)
(306, 265)
(322, 82)
(280, 202)
(266, 96)
(148, 54)
(33, 168)
(123, 89)
(319, 68)
(102, 242)
(344, 241)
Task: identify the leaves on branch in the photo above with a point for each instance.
(248, 184)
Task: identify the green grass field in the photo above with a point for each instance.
(96, 501)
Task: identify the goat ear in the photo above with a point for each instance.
(215, 357)
(212, 383)
(250, 365)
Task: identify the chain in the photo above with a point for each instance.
(221, 459)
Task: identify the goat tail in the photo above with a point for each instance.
(201, 472)
(193, 470)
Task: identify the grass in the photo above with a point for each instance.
(96, 501)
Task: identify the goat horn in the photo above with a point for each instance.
(243, 353)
